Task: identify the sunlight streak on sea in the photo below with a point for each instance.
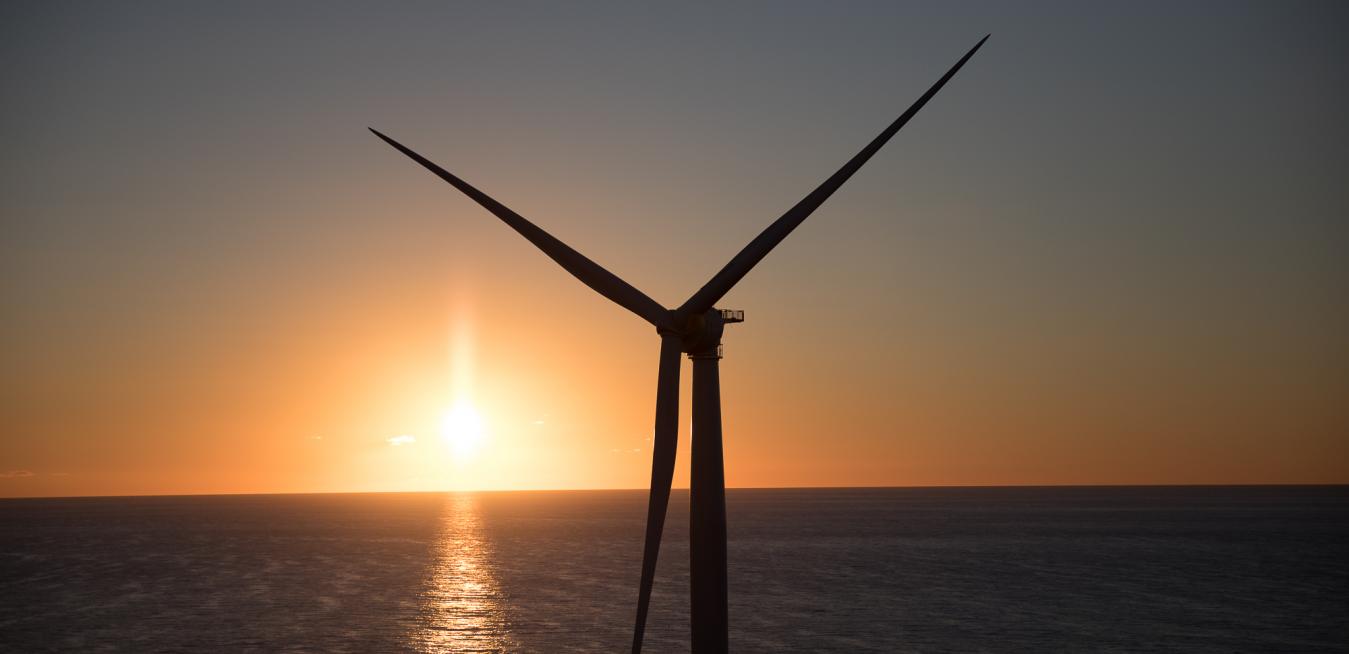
(462, 607)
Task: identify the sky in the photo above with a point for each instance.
(1111, 251)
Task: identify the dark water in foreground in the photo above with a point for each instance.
(885, 570)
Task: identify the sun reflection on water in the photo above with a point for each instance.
(462, 608)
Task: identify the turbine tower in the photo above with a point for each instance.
(695, 328)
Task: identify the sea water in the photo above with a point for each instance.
(1129, 569)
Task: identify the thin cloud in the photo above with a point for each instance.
(403, 439)
(10, 474)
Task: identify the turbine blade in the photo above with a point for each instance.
(762, 244)
(662, 472)
(590, 273)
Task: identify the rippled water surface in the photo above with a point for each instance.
(880, 570)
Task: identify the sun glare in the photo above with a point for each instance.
(462, 430)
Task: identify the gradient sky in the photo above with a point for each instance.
(1114, 250)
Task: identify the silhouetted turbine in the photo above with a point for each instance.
(695, 327)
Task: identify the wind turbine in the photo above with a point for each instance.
(695, 328)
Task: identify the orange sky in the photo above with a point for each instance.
(215, 280)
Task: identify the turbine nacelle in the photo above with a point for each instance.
(701, 333)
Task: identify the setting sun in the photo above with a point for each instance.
(462, 429)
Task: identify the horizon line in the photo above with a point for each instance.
(685, 489)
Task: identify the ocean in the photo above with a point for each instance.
(1080, 569)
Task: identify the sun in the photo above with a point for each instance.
(462, 430)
